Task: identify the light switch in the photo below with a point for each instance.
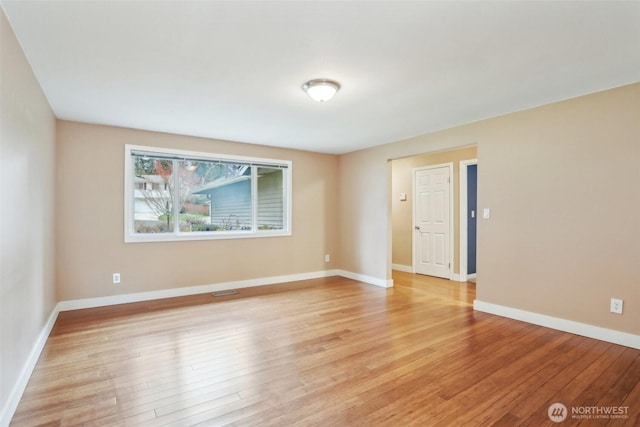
(486, 213)
(403, 197)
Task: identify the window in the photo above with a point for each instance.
(181, 195)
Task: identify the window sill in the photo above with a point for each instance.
(185, 237)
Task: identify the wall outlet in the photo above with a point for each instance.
(616, 306)
(327, 258)
(116, 277)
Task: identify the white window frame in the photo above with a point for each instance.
(130, 236)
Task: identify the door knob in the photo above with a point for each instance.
(417, 227)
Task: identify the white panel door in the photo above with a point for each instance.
(432, 222)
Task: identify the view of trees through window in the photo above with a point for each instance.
(205, 196)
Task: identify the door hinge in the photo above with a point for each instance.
(449, 266)
(449, 179)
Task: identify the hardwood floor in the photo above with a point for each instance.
(330, 352)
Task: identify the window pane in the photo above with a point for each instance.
(270, 199)
(180, 195)
(214, 196)
(153, 188)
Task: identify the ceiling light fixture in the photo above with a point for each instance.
(321, 90)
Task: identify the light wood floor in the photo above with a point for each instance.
(330, 352)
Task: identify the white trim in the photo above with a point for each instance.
(463, 217)
(403, 268)
(10, 406)
(191, 290)
(590, 331)
(203, 289)
(451, 213)
(385, 283)
(457, 278)
(462, 278)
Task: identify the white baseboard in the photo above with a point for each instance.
(12, 402)
(590, 331)
(385, 283)
(203, 289)
(462, 277)
(403, 268)
(192, 290)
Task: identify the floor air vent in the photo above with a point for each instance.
(224, 293)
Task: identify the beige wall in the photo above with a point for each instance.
(27, 144)
(402, 211)
(90, 223)
(562, 184)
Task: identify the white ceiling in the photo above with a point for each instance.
(234, 69)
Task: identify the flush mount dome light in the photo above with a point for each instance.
(321, 90)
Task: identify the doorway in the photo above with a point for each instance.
(402, 200)
(468, 218)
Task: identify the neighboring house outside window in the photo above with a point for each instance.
(177, 195)
(231, 200)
